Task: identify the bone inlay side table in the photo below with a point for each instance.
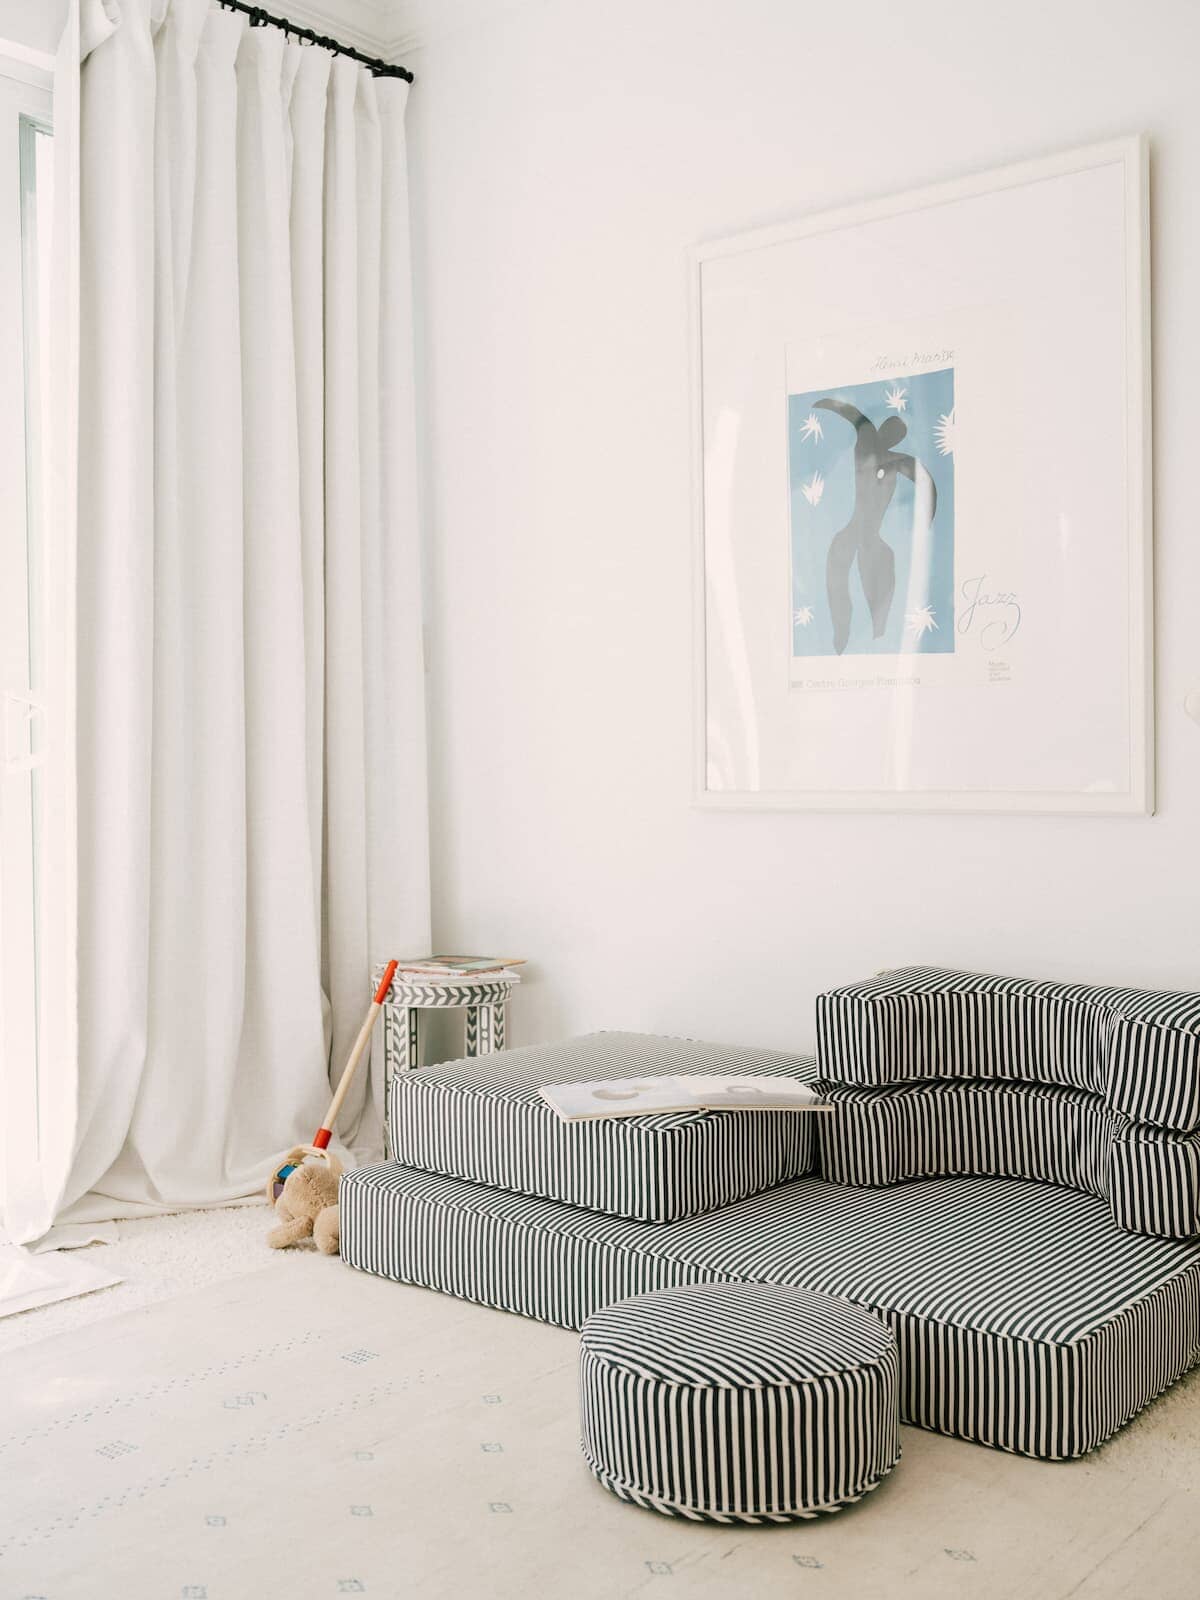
(484, 999)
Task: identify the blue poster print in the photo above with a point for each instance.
(871, 473)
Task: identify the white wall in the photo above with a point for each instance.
(565, 159)
(35, 24)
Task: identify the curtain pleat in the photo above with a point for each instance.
(306, 127)
(170, 999)
(204, 953)
(397, 793)
(345, 705)
(280, 934)
(246, 548)
(115, 585)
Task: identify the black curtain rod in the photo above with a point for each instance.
(263, 19)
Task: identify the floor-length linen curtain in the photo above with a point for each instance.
(249, 724)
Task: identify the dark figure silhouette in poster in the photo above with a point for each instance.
(876, 467)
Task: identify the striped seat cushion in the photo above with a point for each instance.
(1024, 1317)
(483, 1119)
(1149, 1177)
(1137, 1048)
(738, 1402)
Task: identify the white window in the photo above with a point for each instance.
(26, 180)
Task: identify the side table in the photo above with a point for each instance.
(484, 999)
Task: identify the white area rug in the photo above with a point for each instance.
(316, 1432)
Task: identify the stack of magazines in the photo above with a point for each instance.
(460, 969)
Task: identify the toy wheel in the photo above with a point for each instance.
(295, 1157)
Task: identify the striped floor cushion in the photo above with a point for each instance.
(1024, 1317)
(738, 1402)
(1149, 1177)
(483, 1119)
(1137, 1048)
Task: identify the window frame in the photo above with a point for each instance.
(25, 110)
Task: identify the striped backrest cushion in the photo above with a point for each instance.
(979, 1127)
(1137, 1048)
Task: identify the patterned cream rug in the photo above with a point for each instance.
(315, 1432)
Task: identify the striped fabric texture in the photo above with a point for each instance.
(485, 1121)
(1138, 1049)
(738, 1402)
(1150, 1178)
(1024, 1318)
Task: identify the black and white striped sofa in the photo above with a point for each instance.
(1136, 1049)
(483, 1119)
(938, 1074)
(1025, 1315)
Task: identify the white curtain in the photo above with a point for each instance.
(249, 721)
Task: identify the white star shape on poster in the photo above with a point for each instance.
(943, 433)
(921, 621)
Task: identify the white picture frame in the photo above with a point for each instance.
(1021, 298)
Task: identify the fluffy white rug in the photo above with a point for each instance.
(156, 1258)
(311, 1431)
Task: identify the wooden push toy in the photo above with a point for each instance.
(318, 1147)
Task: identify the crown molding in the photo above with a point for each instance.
(430, 21)
(395, 29)
(361, 23)
(371, 26)
(406, 44)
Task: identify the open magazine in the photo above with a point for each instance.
(640, 1097)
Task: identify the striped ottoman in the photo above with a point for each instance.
(738, 1402)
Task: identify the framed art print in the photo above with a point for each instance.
(922, 433)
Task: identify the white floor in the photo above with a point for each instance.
(261, 1423)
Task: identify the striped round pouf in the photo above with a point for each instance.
(738, 1402)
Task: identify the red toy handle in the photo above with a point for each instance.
(325, 1132)
(389, 973)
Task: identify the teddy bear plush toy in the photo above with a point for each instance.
(308, 1207)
